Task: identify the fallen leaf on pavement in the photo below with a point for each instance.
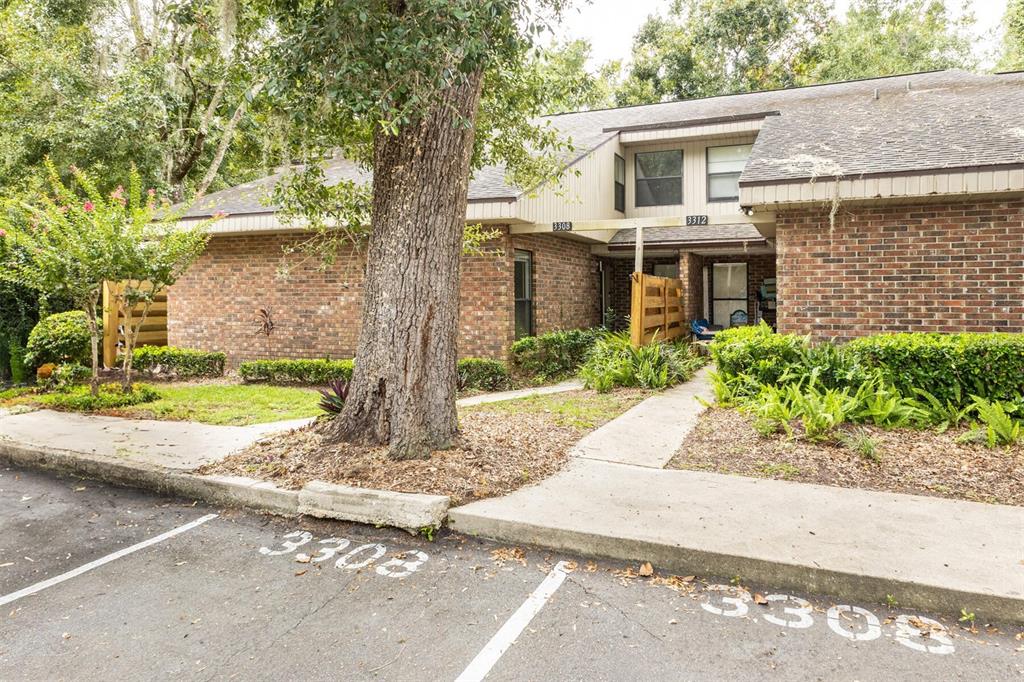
(504, 554)
(646, 570)
(303, 558)
(302, 572)
(759, 599)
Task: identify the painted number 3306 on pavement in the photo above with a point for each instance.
(398, 566)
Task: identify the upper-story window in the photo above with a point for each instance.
(659, 178)
(724, 167)
(620, 184)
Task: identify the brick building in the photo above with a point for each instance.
(837, 210)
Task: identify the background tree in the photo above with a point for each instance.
(171, 86)
(566, 83)
(711, 47)
(1011, 57)
(442, 89)
(886, 37)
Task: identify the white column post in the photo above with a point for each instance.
(638, 259)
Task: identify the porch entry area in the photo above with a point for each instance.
(674, 289)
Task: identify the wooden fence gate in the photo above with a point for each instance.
(656, 309)
(153, 332)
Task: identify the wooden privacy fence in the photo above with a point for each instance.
(656, 309)
(152, 333)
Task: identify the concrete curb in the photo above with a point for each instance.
(688, 560)
(408, 511)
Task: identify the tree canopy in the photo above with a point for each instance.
(703, 48)
(171, 87)
(886, 37)
(1011, 57)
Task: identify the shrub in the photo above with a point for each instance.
(949, 367)
(757, 351)
(614, 362)
(553, 355)
(19, 368)
(183, 363)
(65, 376)
(482, 374)
(295, 371)
(60, 338)
(110, 396)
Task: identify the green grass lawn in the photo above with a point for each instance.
(229, 404)
(580, 409)
(209, 403)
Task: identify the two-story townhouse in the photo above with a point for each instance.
(876, 205)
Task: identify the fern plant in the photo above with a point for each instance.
(1000, 427)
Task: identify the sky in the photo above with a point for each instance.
(609, 25)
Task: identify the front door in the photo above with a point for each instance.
(524, 293)
(728, 292)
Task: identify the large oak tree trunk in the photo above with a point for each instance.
(404, 384)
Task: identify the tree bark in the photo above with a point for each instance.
(404, 384)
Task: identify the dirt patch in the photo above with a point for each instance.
(499, 450)
(908, 460)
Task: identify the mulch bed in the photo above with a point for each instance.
(496, 453)
(911, 461)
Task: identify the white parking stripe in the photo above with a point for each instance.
(56, 580)
(514, 626)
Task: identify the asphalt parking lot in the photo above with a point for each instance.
(98, 582)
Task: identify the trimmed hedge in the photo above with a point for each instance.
(184, 363)
(756, 351)
(80, 399)
(60, 338)
(951, 367)
(482, 374)
(555, 354)
(295, 371)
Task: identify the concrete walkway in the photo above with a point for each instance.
(570, 385)
(650, 433)
(613, 500)
(176, 446)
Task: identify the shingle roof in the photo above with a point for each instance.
(588, 129)
(916, 130)
(710, 234)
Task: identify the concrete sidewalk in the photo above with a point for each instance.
(570, 385)
(615, 500)
(926, 552)
(662, 423)
(175, 446)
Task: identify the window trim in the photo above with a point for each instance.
(637, 178)
(708, 174)
(621, 208)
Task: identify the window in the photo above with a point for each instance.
(724, 167)
(659, 178)
(523, 293)
(620, 184)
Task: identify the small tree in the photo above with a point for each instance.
(62, 245)
(153, 252)
(70, 241)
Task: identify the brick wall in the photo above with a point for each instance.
(691, 271)
(565, 282)
(316, 313)
(930, 267)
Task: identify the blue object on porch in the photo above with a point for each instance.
(738, 317)
(704, 330)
